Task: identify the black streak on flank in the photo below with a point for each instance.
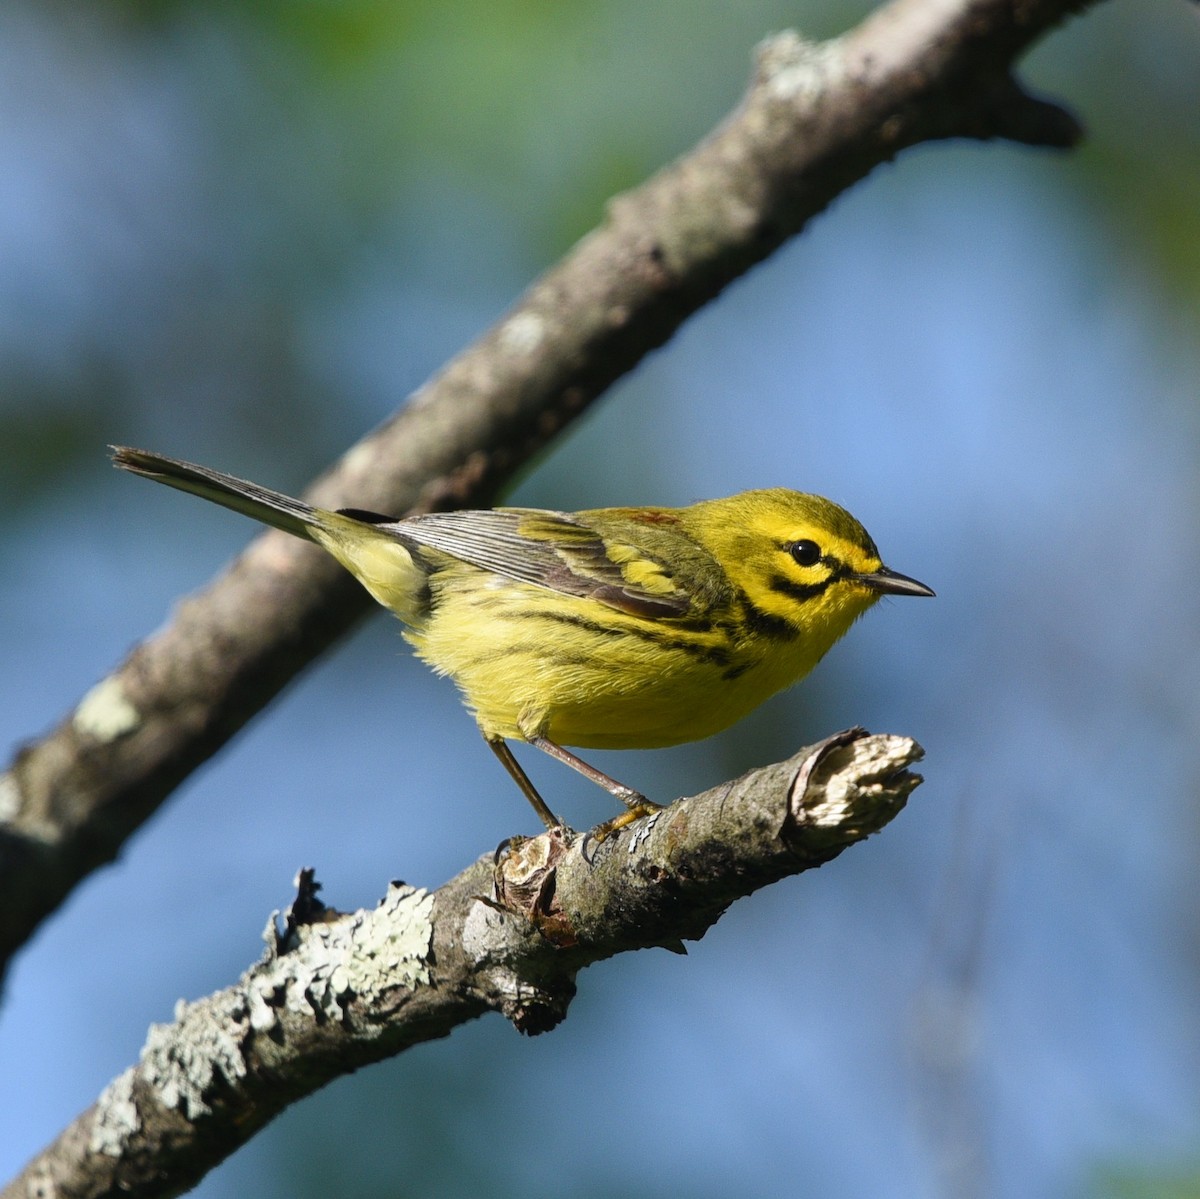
(673, 639)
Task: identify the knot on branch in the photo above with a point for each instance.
(669, 876)
(1002, 108)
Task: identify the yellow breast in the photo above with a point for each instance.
(532, 662)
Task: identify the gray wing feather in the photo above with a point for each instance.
(578, 565)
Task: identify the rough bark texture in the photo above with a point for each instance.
(510, 933)
(815, 119)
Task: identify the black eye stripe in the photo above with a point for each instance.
(798, 591)
(802, 591)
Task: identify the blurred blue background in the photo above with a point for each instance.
(242, 233)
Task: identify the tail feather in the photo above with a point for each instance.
(271, 507)
(369, 546)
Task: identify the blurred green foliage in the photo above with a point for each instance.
(1127, 1183)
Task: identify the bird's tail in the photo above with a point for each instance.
(271, 507)
(372, 548)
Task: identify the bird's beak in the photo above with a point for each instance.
(890, 582)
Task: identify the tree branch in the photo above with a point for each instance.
(815, 119)
(510, 933)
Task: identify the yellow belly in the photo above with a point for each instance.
(532, 662)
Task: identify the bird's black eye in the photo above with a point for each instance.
(805, 553)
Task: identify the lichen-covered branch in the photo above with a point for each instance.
(815, 119)
(336, 991)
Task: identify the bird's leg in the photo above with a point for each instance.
(500, 748)
(627, 795)
(635, 801)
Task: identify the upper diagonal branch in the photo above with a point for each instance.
(816, 119)
(336, 991)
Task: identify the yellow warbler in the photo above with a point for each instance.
(618, 628)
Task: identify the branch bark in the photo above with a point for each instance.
(815, 119)
(510, 933)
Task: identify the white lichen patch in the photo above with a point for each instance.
(794, 70)
(261, 996)
(10, 796)
(359, 460)
(116, 1117)
(641, 833)
(105, 713)
(523, 333)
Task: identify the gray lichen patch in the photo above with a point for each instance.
(116, 1118)
(211, 1045)
(182, 1061)
(485, 928)
(394, 940)
(362, 955)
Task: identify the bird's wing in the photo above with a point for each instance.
(556, 550)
